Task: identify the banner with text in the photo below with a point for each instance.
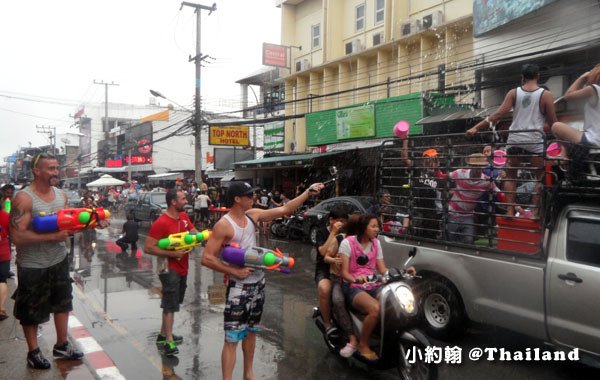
(229, 136)
(275, 55)
(356, 122)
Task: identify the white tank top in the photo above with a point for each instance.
(527, 115)
(591, 124)
(245, 237)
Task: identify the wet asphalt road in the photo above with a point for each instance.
(118, 300)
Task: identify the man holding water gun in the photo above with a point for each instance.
(246, 286)
(172, 265)
(42, 265)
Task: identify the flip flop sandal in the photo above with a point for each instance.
(369, 356)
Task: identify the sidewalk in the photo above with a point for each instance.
(13, 350)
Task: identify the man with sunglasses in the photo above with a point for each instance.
(42, 266)
(245, 286)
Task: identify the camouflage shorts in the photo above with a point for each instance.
(243, 309)
(42, 291)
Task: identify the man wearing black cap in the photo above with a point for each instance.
(245, 288)
(533, 107)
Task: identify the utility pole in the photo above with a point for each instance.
(51, 132)
(106, 84)
(198, 60)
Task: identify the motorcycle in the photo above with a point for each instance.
(396, 339)
(289, 227)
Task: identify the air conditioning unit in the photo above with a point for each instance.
(354, 47)
(432, 20)
(378, 39)
(305, 64)
(411, 27)
(302, 65)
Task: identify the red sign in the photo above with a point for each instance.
(275, 55)
(114, 163)
(138, 160)
(144, 146)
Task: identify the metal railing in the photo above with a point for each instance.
(431, 201)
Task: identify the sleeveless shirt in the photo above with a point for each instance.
(527, 116)
(48, 253)
(591, 123)
(245, 238)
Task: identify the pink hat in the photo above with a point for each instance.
(499, 158)
(401, 129)
(553, 150)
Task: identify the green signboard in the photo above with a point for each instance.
(356, 122)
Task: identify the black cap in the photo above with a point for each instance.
(237, 189)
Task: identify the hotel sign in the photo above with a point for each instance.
(229, 136)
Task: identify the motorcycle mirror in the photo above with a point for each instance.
(412, 253)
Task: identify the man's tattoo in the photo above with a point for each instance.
(16, 215)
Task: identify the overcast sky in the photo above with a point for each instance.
(52, 51)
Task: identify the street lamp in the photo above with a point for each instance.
(198, 131)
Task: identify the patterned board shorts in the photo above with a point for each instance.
(243, 309)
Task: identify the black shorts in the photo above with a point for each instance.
(173, 290)
(204, 214)
(321, 272)
(4, 269)
(42, 291)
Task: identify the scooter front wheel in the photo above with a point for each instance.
(411, 363)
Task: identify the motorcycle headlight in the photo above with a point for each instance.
(405, 298)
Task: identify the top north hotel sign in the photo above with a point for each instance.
(275, 55)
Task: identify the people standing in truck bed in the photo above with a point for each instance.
(470, 185)
(586, 87)
(532, 106)
(427, 180)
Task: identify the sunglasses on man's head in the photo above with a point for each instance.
(40, 156)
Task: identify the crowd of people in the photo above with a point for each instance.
(347, 250)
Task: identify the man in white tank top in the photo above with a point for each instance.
(532, 107)
(245, 288)
(586, 87)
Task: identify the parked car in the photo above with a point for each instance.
(317, 216)
(149, 206)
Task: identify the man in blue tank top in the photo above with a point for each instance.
(245, 288)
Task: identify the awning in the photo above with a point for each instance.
(283, 161)
(460, 115)
(164, 176)
(228, 177)
(217, 173)
(124, 169)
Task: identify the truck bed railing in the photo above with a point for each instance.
(431, 202)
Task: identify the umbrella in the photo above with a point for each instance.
(106, 180)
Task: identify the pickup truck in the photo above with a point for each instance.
(149, 206)
(549, 292)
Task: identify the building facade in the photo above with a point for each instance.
(358, 52)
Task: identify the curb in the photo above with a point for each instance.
(101, 365)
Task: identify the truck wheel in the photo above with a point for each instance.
(442, 310)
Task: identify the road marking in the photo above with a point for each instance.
(117, 327)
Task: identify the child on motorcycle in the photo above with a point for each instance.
(362, 257)
(330, 289)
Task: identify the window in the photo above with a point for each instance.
(379, 11)
(316, 36)
(360, 17)
(583, 242)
